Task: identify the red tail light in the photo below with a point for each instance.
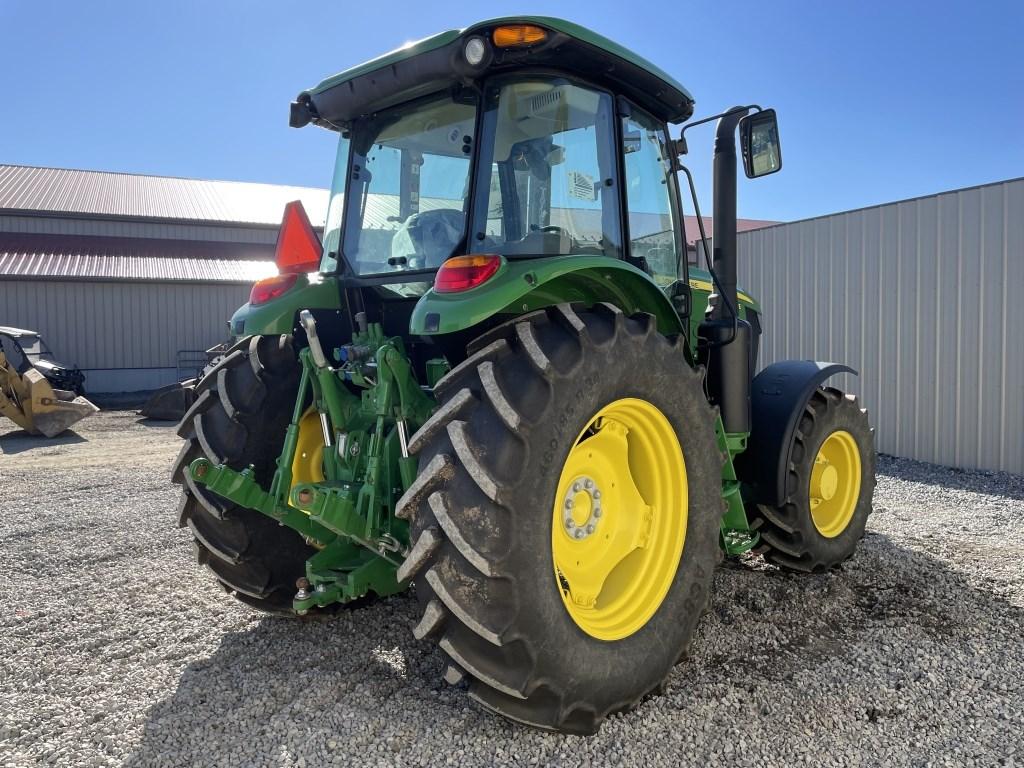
(298, 247)
(271, 287)
(464, 272)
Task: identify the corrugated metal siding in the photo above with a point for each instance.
(28, 188)
(87, 266)
(922, 297)
(132, 259)
(121, 325)
(54, 225)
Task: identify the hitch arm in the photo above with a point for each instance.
(243, 490)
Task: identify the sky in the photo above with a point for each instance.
(878, 100)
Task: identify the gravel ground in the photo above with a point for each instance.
(118, 650)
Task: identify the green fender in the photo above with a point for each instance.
(525, 285)
(311, 291)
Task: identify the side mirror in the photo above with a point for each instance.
(759, 138)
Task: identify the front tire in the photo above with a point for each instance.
(829, 487)
(484, 554)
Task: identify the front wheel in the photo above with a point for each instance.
(565, 518)
(829, 486)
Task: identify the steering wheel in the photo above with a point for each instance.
(554, 228)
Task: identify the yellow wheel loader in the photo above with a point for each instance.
(31, 402)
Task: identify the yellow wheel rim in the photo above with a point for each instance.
(835, 484)
(619, 519)
(307, 466)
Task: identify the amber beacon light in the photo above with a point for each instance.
(515, 35)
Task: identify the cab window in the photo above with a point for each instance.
(550, 178)
(12, 351)
(653, 226)
(407, 192)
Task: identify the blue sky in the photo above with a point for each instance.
(877, 101)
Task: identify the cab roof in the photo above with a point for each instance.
(433, 63)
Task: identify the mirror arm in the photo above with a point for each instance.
(704, 240)
(733, 111)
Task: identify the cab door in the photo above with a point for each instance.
(652, 210)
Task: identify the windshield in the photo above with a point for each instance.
(406, 202)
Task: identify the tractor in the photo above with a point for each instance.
(496, 378)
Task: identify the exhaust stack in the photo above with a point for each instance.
(723, 337)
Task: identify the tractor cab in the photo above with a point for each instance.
(539, 178)
(529, 146)
(496, 152)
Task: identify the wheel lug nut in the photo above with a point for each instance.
(570, 523)
(589, 484)
(568, 503)
(590, 528)
(576, 487)
(597, 512)
(596, 494)
(579, 534)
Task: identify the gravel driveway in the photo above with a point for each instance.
(115, 649)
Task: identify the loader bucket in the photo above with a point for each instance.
(33, 404)
(170, 403)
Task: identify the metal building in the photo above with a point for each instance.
(128, 275)
(921, 296)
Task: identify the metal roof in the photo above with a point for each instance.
(117, 259)
(742, 225)
(64, 191)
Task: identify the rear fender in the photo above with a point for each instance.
(311, 291)
(526, 285)
(777, 398)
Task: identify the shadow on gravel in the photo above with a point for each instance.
(283, 688)
(156, 423)
(19, 441)
(1004, 484)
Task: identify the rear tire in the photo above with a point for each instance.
(481, 511)
(240, 415)
(790, 536)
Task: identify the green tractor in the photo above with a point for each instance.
(496, 379)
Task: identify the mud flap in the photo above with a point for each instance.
(778, 396)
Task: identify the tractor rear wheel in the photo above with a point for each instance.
(830, 483)
(240, 415)
(566, 514)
